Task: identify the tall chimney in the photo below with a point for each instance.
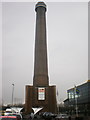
(40, 62)
(40, 94)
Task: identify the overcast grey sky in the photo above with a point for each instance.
(67, 39)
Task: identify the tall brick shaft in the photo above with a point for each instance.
(40, 94)
(40, 63)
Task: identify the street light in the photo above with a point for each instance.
(75, 88)
(12, 93)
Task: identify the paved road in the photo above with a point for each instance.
(85, 118)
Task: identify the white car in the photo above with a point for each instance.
(61, 116)
(8, 111)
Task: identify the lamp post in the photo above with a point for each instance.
(75, 88)
(12, 93)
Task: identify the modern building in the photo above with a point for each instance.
(41, 94)
(78, 98)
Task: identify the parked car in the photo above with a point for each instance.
(8, 117)
(48, 115)
(18, 115)
(59, 116)
(8, 111)
(11, 117)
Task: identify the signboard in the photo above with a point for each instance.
(41, 93)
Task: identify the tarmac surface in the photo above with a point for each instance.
(85, 118)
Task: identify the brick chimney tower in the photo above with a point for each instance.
(41, 94)
(40, 63)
